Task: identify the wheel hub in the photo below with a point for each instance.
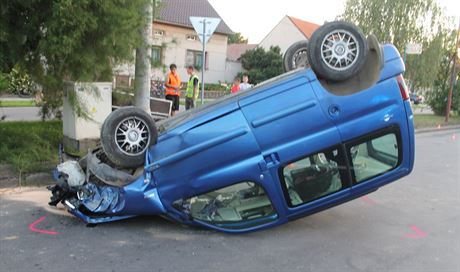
(300, 59)
(132, 136)
(339, 50)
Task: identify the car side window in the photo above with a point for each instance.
(374, 156)
(313, 177)
(244, 202)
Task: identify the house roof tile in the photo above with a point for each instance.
(177, 12)
(305, 27)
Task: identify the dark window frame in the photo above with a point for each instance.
(393, 129)
(239, 224)
(347, 175)
(159, 61)
(343, 173)
(195, 54)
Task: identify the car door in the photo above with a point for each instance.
(375, 125)
(300, 145)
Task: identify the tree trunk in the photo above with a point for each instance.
(143, 57)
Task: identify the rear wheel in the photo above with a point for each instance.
(296, 56)
(126, 135)
(337, 51)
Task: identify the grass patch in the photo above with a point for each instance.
(30, 146)
(431, 120)
(17, 103)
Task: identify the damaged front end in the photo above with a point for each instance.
(97, 192)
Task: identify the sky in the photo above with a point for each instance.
(256, 18)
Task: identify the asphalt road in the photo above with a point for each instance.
(409, 225)
(20, 113)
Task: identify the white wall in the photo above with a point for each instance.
(175, 46)
(284, 34)
(233, 68)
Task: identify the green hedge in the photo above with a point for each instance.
(121, 96)
(4, 84)
(215, 87)
(30, 146)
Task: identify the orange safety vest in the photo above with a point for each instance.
(173, 80)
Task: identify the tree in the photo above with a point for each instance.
(58, 40)
(237, 38)
(402, 22)
(143, 59)
(437, 98)
(262, 65)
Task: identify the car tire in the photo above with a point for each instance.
(296, 56)
(126, 134)
(337, 51)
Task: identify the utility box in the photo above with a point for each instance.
(96, 99)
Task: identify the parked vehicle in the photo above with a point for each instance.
(294, 145)
(416, 98)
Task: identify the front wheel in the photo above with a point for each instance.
(337, 51)
(126, 135)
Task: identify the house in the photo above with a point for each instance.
(234, 52)
(288, 31)
(175, 41)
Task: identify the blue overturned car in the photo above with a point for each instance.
(336, 126)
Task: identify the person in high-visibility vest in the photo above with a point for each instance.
(172, 86)
(193, 89)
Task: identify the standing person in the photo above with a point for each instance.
(172, 84)
(236, 86)
(193, 88)
(245, 85)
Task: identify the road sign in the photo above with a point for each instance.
(414, 48)
(204, 26)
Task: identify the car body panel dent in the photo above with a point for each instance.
(102, 198)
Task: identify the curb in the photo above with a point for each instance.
(435, 129)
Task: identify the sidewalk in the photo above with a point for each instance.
(20, 113)
(10, 97)
(433, 129)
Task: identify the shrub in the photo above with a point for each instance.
(122, 97)
(437, 99)
(4, 84)
(262, 65)
(20, 82)
(30, 146)
(214, 87)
